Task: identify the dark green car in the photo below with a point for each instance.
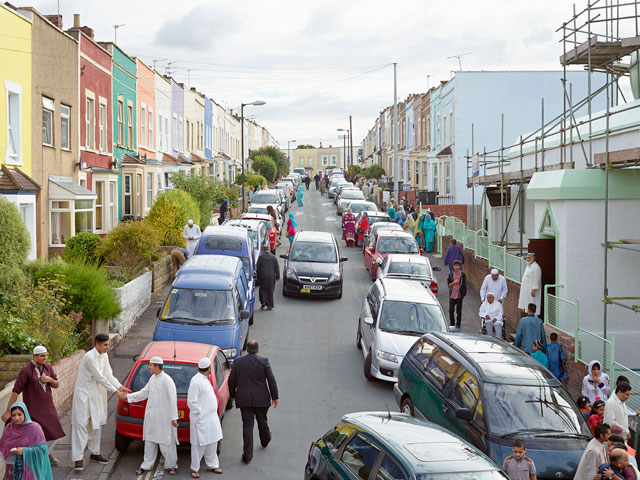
(395, 446)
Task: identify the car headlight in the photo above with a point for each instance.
(390, 357)
(230, 352)
(335, 277)
(291, 274)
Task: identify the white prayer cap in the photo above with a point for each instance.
(156, 361)
(491, 293)
(494, 271)
(190, 222)
(39, 350)
(204, 363)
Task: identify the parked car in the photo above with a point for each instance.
(385, 242)
(268, 197)
(488, 392)
(333, 184)
(394, 313)
(359, 206)
(286, 187)
(347, 196)
(377, 220)
(302, 172)
(181, 364)
(268, 222)
(257, 233)
(208, 303)
(394, 446)
(262, 210)
(313, 266)
(412, 267)
(284, 199)
(344, 186)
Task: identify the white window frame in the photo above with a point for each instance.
(14, 125)
(100, 216)
(130, 110)
(447, 178)
(435, 177)
(90, 121)
(180, 135)
(143, 122)
(301, 161)
(150, 143)
(120, 117)
(160, 133)
(139, 180)
(333, 159)
(325, 160)
(71, 210)
(113, 203)
(65, 118)
(425, 175)
(174, 131)
(166, 134)
(149, 189)
(128, 193)
(48, 108)
(102, 124)
(310, 161)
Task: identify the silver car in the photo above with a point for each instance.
(358, 206)
(413, 267)
(334, 184)
(395, 313)
(346, 197)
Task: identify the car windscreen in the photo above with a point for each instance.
(409, 268)
(411, 318)
(267, 224)
(199, 307)
(257, 209)
(223, 242)
(397, 245)
(362, 207)
(313, 252)
(180, 373)
(352, 195)
(266, 197)
(538, 409)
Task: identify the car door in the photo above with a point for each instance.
(383, 267)
(373, 305)
(442, 367)
(359, 457)
(221, 387)
(464, 392)
(368, 253)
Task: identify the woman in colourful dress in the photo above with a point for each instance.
(363, 227)
(597, 415)
(429, 232)
(291, 228)
(299, 194)
(349, 228)
(419, 235)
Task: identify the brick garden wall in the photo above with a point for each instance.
(161, 274)
(458, 211)
(67, 370)
(10, 366)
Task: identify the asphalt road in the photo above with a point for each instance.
(319, 370)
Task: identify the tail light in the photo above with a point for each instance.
(310, 458)
(434, 287)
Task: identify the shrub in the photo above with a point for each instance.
(16, 242)
(266, 167)
(130, 248)
(170, 213)
(253, 179)
(81, 248)
(206, 191)
(278, 156)
(373, 171)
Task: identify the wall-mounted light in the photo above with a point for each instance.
(80, 164)
(114, 163)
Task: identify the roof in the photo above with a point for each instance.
(169, 350)
(166, 158)
(131, 160)
(408, 289)
(64, 188)
(314, 236)
(208, 272)
(251, 224)
(223, 230)
(14, 179)
(584, 184)
(378, 214)
(256, 216)
(196, 158)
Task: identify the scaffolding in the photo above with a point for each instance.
(603, 37)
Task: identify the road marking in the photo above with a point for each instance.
(327, 204)
(330, 219)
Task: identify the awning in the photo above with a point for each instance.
(14, 179)
(445, 152)
(63, 188)
(104, 171)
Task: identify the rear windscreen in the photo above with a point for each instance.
(219, 242)
(180, 373)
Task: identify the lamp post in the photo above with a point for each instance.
(289, 152)
(257, 103)
(344, 143)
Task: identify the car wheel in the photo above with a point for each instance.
(359, 337)
(367, 368)
(340, 294)
(122, 442)
(251, 320)
(284, 290)
(407, 407)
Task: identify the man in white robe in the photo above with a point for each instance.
(160, 418)
(531, 285)
(205, 429)
(496, 283)
(191, 233)
(491, 313)
(89, 409)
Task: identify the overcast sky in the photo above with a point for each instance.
(316, 63)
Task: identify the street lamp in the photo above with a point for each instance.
(344, 144)
(289, 152)
(257, 103)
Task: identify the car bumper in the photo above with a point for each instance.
(131, 427)
(385, 370)
(294, 287)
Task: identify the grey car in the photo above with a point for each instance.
(346, 197)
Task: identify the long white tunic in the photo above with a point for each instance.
(494, 310)
(95, 379)
(194, 232)
(162, 408)
(205, 425)
(497, 287)
(531, 279)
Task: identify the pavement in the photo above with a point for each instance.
(311, 344)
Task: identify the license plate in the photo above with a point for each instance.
(311, 287)
(180, 414)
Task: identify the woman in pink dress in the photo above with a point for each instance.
(349, 228)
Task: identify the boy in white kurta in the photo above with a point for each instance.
(160, 418)
(531, 284)
(205, 428)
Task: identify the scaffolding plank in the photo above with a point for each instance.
(602, 52)
(628, 155)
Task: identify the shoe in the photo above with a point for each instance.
(457, 327)
(269, 308)
(246, 460)
(262, 307)
(99, 458)
(78, 466)
(265, 444)
(53, 460)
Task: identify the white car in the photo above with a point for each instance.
(412, 267)
(268, 197)
(347, 196)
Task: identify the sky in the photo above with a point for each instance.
(316, 63)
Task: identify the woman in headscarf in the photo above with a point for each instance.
(291, 228)
(409, 224)
(299, 194)
(363, 227)
(391, 211)
(24, 448)
(271, 211)
(429, 233)
(399, 215)
(349, 228)
(419, 235)
(224, 212)
(595, 385)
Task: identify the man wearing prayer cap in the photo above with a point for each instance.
(205, 430)
(35, 382)
(531, 284)
(160, 418)
(191, 233)
(496, 284)
(491, 312)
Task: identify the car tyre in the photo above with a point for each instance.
(284, 290)
(359, 337)
(407, 407)
(251, 320)
(339, 296)
(367, 368)
(122, 442)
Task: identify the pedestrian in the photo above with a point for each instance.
(89, 409)
(307, 181)
(453, 253)
(291, 228)
(349, 228)
(205, 430)
(595, 385)
(531, 284)
(224, 212)
(267, 274)
(584, 406)
(191, 233)
(400, 215)
(595, 454)
(300, 194)
(365, 190)
(457, 281)
(491, 313)
(618, 460)
(35, 382)
(539, 355)
(409, 225)
(496, 283)
(323, 187)
(615, 410)
(362, 229)
(159, 428)
(179, 256)
(617, 441)
(518, 466)
(23, 447)
(412, 208)
(596, 415)
(420, 237)
(253, 387)
(429, 232)
(431, 214)
(250, 193)
(391, 210)
(557, 361)
(316, 179)
(530, 329)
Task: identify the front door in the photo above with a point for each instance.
(545, 250)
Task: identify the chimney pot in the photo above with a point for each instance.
(76, 20)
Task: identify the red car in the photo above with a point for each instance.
(269, 223)
(181, 364)
(385, 242)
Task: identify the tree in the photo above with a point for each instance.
(16, 242)
(265, 166)
(206, 191)
(303, 146)
(277, 155)
(373, 171)
(169, 214)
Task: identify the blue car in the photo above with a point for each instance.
(208, 303)
(235, 242)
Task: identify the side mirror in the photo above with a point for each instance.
(244, 314)
(421, 251)
(284, 255)
(368, 320)
(464, 414)
(343, 259)
(135, 358)
(436, 269)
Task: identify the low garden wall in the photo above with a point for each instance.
(161, 274)
(134, 298)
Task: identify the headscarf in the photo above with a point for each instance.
(409, 224)
(271, 211)
(364, 222)
(591, 364)
(292, 220)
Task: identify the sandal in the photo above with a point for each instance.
(140, 471)
(215, 470)
(195, 474)
(172, 471)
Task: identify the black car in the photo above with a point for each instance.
(313, 266)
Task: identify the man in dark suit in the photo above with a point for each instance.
(267, 273)
(253, 388)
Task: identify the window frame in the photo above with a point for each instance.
(366, 438)
(120, 121)
(143, 125)
(113, 205)
(447, 178)
(48, 109)
(14, 135)
(126, 194)
(149, 189)
(99, 190)
(150, 129)
(130, 111)
(90, 121)
(102, 124)
(65, 117)
(138, 193)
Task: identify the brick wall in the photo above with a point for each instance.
(67, 370)
(134, 298)
(458, 211)
(10, 366)
(161, 274)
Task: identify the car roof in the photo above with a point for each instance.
(408, 290)
(376, 214)
(228, 230)
(208, 272)
(255, 216)
(408, 258)
(386, 225)
(392, 233)
(362, 202)
(251, 224)
(497, 361)
(314, 236)
(427, 447)
(171, 351)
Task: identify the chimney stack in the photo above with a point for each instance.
(76, 20)
(55, 19)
